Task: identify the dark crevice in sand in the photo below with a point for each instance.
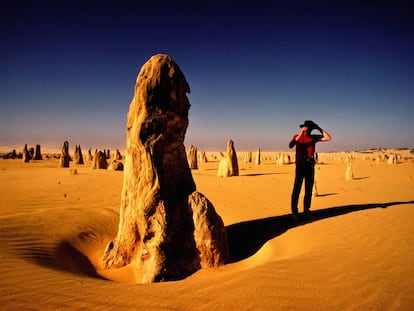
(246, 238)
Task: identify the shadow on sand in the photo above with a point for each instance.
(62, 257)
(246, 238)
(326, 194)
(260, 174)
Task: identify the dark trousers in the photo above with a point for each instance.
(306, 173)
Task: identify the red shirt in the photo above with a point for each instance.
(305, 149)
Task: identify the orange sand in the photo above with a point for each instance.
(357, 254)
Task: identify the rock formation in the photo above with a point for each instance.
(26, 154)
(392, 159)
(167, 230)
(258, 155)
(247, 157)
(78, 157)
(64, 156)
(116, 165)
(228, 164)
(283, 158)
(117, 156)
(192, 157)
(37, 154)
(99, 160)
(203, 157)
(10, 155)
(31, 151)
(90, 156)
(315, 190)
(349, 174)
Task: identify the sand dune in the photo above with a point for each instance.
(356, 254)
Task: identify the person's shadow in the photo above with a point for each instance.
(246, 238)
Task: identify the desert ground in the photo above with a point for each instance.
(357, 252)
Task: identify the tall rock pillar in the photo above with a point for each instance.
(167, 229)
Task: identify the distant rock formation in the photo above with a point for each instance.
(78, 157)
(315, 188)
(99, 160)
(26, 154)
(247, 157)
(64, 156)
(90, 156)
(258, 157)
(280, 160)
(228, 164)
(192, 157)
(116, 165)
(392, 159)
(31, 151)
(37, 154)
(203, 157)
(117, 155)
(283, 158)
(10, 155)
(349, 174)
(167, 230)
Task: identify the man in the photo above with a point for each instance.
(305, 164)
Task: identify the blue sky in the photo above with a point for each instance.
(257, 69)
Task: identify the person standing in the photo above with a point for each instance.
(305, 143)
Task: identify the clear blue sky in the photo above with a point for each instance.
(257, 69)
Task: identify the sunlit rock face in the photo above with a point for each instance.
(192, 158)
(229, 165)
(167, 230)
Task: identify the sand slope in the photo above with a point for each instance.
(357, 254)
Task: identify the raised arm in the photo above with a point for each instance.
(325, 136)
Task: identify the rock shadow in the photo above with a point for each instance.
(74, 261)
(246, 238)
(327, 194)
(260, 174)
(62, 257)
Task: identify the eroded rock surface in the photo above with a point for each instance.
(37, 153)
(167, 230)
(192, 158)
(64, 156)
(229, 165)
(78, 157)
(26, 156)
(99, 160)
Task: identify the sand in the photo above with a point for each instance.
(356, 254)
